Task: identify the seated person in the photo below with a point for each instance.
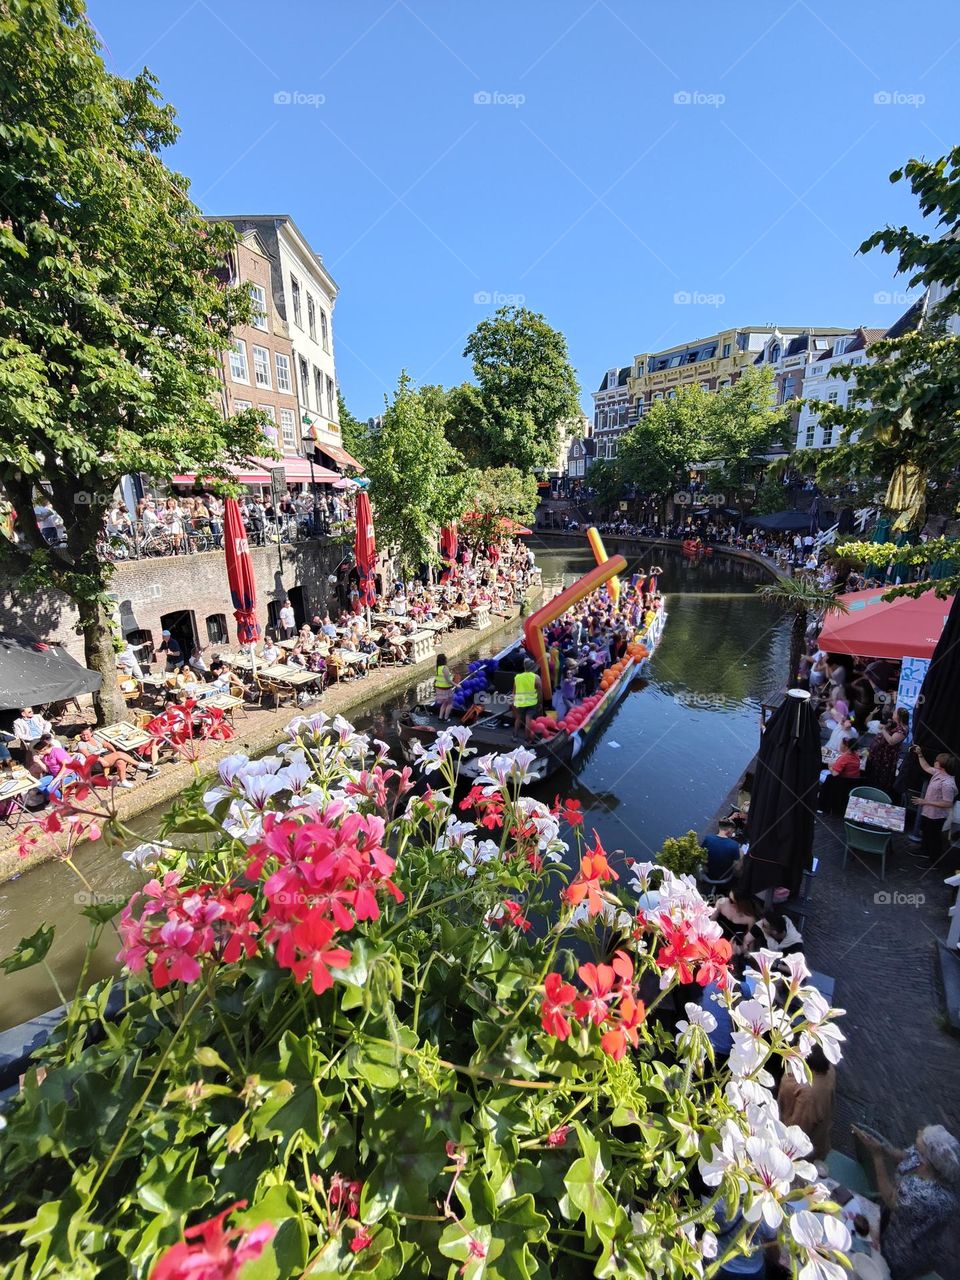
(229, 682)
(90, 747)
(53, 767)
(327, 627)
(723, 852)
(777, 932)
(197, 661)
(269, 654)
(919, 1191)
(810, 1104)
(29, 727)
(736, 913)
(840, 779)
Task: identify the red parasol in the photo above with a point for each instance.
(365, 548)
(243, 590)
(878, 628)
(449, 542)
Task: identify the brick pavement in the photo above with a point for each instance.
(901, 1065)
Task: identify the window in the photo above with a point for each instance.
(811, 432)
(672, 393)
(820, 344)
(708, 353)
(788, 390)
(283, 373)
(217, 628)
(658, 395)
(331, 400)
(242, 404)
(775, 353)
(288, 428)
(318, 387)
(311, 317)
(833, 397)
(828, 436)
(691, 357)
(840, 347)
(674, 361)
(324, 330)
(305, 382)
(270, 427)
(238, 361)
(726, 350)
(258, 298)
(261, 366)
(295, 296)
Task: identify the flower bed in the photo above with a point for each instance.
(369, 1030)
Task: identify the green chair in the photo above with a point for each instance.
(871, 793)
(859, 839)
(849, 1173)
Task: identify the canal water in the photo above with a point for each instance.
(662, 766)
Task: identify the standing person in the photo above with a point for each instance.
(215, 507)
(527, 692)
(171, 647)
(48, 522)
(172, 519)
(881, 770)
(288, 622)
(443, 687)
(938, 800)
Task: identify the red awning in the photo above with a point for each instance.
(298, 470)
(338, 455)
(245, 475)
(876, 628)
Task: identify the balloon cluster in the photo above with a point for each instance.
(475, 682)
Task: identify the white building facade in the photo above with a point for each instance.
(821, 385)
(305, 295)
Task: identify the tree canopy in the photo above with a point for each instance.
(495, 495)
(417, 482)
(114, 316)
(525, 387)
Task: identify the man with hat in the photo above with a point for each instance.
(171, 647)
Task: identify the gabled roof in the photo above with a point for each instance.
(622, 377)
(910, 320)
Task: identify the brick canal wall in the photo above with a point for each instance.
(149, 591)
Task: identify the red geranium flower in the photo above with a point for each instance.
(559, 995)
(316, 957)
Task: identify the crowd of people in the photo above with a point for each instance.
(183, 524)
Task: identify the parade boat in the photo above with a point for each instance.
(484, 698)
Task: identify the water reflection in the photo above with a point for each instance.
(670, 753)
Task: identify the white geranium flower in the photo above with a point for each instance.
(724, 1158)
(768, 1173)
(476, 855)
(146, 856)
(747, 1058)
(296, 776)
(454, 835)
(823, 1241)
(257, 789)
(640, 877)
(820, 1028)
(697, 1018)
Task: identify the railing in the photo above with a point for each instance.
(138, 544)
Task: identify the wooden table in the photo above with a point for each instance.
(225, 702)
(295, 676)
(874, 813)
(124, 736)
(14, 790)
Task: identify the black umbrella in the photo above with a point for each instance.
(784, 800)
(936, 720)
(33, 673)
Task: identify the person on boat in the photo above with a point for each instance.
(443, 687)
(527, 694)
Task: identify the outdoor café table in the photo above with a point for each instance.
(874, 813)
(124, 736)
(351, 658)
(294, 676)
(242, 661)
(287, 644)
(225, 702)
(13, 796)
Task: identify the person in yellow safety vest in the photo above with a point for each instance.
(443, 687)
(527, 692)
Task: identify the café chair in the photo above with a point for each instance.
(859, 839)
(871, 793)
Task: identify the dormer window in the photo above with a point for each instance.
(840, 347)
(775, 353)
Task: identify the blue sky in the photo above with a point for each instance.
(595, 158)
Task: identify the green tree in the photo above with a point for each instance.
(744, 422)
(656, 453)
(498, 494)
(798, 598)
(901, 425)
(525, 387)
(603, 476)
(417, 481)
(113, 321)
(353, 432)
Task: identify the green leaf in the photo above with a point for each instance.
(586, 1192)
(29, 951)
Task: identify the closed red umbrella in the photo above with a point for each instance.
(365, 548)
(243, 589)
(449, 542)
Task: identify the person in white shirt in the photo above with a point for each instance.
(128, 664)
(29, 726)
(47, 522)
(287, 621)
(197, 661)
(270, 653)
